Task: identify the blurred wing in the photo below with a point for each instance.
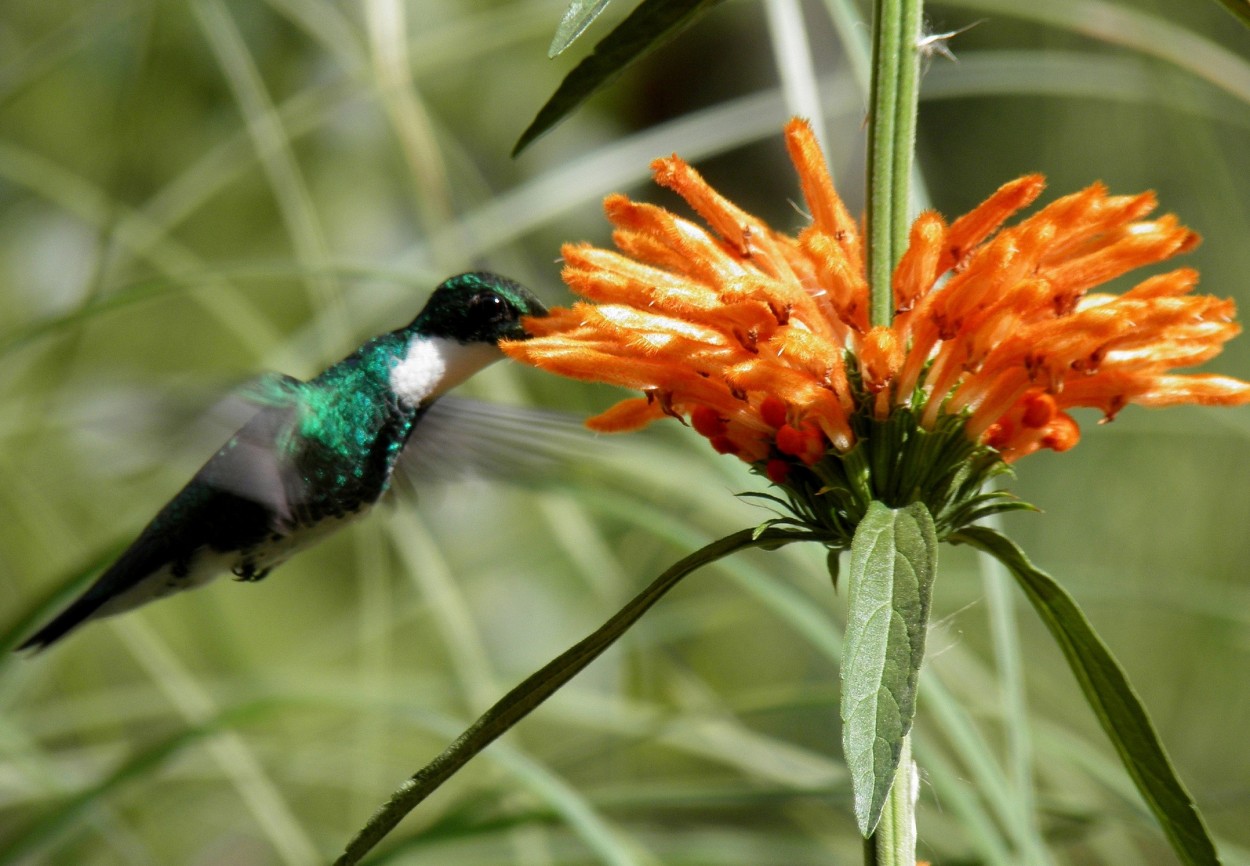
(258, 461)
(459, 438)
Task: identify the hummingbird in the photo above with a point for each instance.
(315, 456)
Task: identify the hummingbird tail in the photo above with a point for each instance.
(125, 584)
(66, 621)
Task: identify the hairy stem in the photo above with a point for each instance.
(891, 136)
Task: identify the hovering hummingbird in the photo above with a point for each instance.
(315, 456)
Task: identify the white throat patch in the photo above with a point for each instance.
(433, 366)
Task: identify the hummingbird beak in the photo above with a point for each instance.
(519, 331)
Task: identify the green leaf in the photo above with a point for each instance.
(650, 25)
(893, 558)
(1110, 695)
(576, 19)
(833, 562)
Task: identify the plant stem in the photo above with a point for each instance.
(519, 702)
(894, 841)
(891, 136)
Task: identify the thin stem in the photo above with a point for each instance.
(523, 699)
(894, 841)
(891, 135)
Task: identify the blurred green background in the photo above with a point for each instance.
(193, 193)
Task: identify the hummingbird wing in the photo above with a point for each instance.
(259, 462)
(460, 438)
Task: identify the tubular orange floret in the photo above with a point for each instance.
(632, 414)
(880, 357)
(726, 219)
(982, 221)
(844, 284)
(918, 267)
(1140, 244)
(829, 214)
(669, 241)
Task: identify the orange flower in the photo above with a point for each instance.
(763, 341)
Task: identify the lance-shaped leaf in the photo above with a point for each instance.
(1112, 698)
(650, 25)
(893, 557)
(579, 16)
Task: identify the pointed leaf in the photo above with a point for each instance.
(893, 557)
(1112, 698)
(650, 25)
(833, 562)
(576, 19)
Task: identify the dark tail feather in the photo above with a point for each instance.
(136, 562)
(66, 621)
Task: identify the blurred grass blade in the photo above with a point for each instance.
(1110, 695)
(536, 688)
(68, 816)
(893, 557)
(576, 19)
(650, 25)
(1239, 8)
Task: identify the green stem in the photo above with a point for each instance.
(519, 702)
(891, 135)
(893, 843)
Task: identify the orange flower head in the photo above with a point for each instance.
(762, 340)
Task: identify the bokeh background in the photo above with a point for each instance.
(192, 193)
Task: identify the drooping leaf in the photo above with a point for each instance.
(579, 16)
(650, 25)
(1112, 698)
(893, 558)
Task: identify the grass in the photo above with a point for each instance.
(192, 195)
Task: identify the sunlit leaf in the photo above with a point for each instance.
(649, 26)
(1112, 698)
(893, 557)
(576, 19)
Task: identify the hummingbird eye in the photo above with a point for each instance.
(490, 307)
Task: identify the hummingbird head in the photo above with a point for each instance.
(458, 333)
(477, 307)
